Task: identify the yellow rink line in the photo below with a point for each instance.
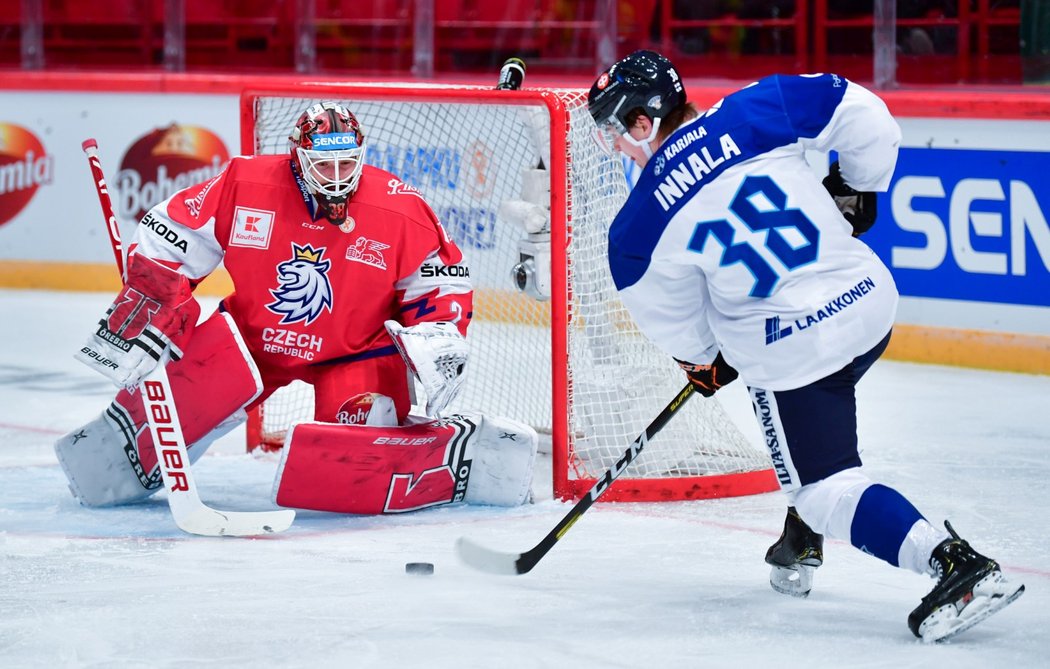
(87, 277)
(971, 348)
(943, 346)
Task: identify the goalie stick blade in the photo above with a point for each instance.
(208, 522)
(489, 561)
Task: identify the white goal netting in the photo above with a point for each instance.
(576, 358)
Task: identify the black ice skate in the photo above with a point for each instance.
(970, 587)
(795, 556)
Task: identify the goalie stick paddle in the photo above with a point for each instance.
(512, 564)
(191, 515)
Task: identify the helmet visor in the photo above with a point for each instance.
(607, 132)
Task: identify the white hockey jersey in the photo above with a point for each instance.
(730, 242)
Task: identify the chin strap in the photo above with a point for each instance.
(645, 144)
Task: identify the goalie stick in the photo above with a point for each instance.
(190, 513)
(512, 564)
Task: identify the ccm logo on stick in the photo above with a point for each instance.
(171, 459)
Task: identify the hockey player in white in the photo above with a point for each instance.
(730, 255)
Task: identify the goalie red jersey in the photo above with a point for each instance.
(340, 273)
(309, 292)
(343, 278)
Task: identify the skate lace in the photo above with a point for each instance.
(938, 570)
(954, 555)
(943, 565)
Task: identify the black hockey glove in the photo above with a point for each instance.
(709, 378)
(857, 207)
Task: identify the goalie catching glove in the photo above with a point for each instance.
(154, 310)
(709, 378)
(857, 207)
(437, 355)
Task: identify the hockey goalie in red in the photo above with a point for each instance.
(344, 278)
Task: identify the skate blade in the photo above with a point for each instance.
(794, 581)
(990, 594)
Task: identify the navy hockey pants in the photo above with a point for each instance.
(811, 432)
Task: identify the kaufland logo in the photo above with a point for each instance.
(251, 227)
(24, 167)
(339, 140)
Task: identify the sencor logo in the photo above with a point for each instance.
(968, 224)
(343, 140)
(24, 167)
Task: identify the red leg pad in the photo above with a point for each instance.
(214, 379)
(372, 470)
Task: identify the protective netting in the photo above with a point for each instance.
(466, 156)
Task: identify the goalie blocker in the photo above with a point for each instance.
(371, 470)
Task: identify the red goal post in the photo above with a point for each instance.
(573, 366)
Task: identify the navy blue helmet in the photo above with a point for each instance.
(643, 80)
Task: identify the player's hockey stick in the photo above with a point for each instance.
(512, 564)
(189, 512)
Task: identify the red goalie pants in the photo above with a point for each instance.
(381, 371)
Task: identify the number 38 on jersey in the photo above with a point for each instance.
(760, 205)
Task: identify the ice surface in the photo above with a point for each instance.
(631, 585)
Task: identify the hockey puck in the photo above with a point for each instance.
(421, 568)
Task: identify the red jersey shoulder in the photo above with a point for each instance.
(265, 170)
(382, 190)
(194, 206)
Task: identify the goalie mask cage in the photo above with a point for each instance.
(574, 366)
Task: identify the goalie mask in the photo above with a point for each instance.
(643, 81)
(327, 145)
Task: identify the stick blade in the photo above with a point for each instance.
(209, 522)
(484, 559)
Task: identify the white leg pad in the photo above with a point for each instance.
(111, 460)
(101, 461)
(828, 505)
(503, 454)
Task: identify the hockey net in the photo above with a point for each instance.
(574, 366)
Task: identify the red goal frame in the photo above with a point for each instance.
(564, 487)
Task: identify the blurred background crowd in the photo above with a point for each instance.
(893, 43)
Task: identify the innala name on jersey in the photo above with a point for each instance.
(691, 171)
